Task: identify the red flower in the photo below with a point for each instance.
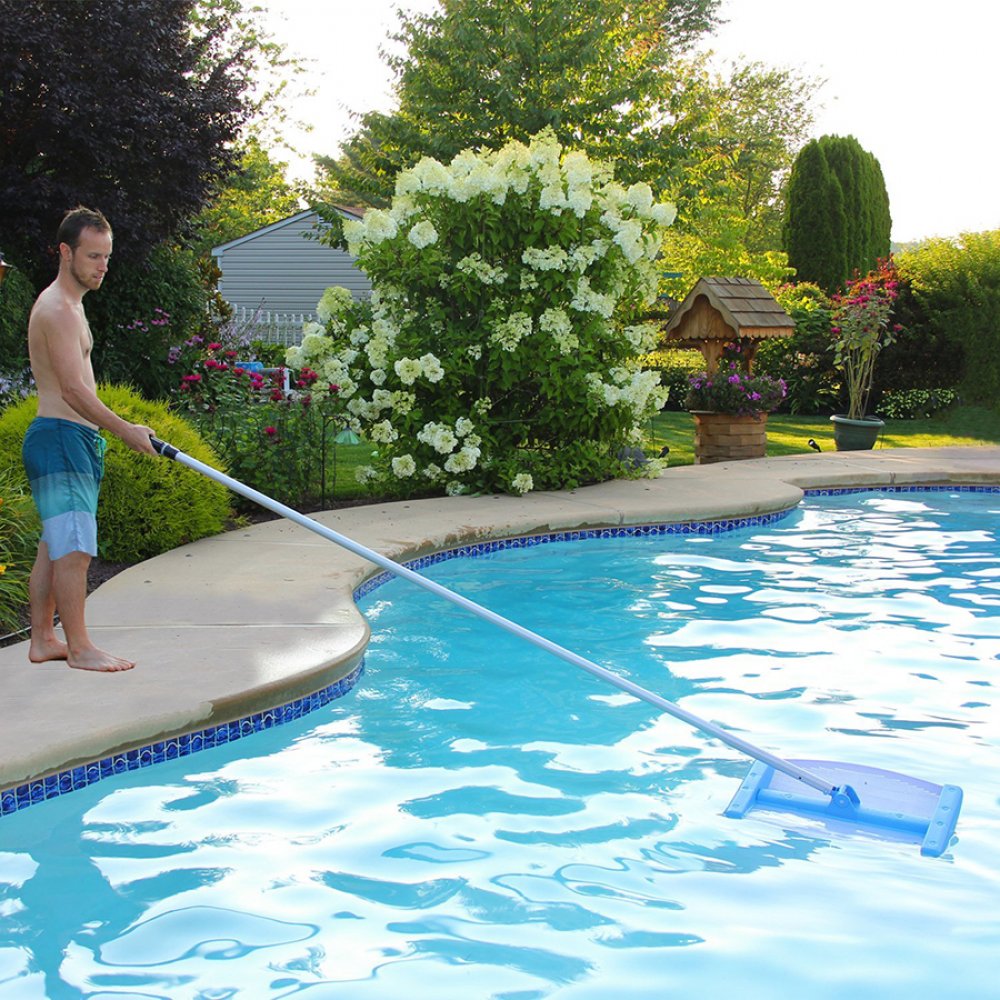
(214, 347)
(271, 431)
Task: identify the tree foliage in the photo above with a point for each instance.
(128, 106)
(252, 196)
(736, 134)
(837, 219)
(480, 73)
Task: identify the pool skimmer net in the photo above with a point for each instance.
(906, 808)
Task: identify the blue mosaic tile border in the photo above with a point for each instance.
(528, 541)
(647, 530)
(33, 792)
(844, 490)
(20, 797)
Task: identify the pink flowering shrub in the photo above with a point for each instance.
(861, 327)
(278, 441)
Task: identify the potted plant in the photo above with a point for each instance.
(730, 408)
(861, 328)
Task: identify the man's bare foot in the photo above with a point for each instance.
(43, 650)
(97, 659)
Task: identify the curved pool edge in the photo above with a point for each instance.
(227, 628)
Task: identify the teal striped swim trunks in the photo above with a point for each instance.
(65, 465)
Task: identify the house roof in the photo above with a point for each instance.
(347, 213)
(726, 308)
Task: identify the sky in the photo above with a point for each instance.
(914, 81)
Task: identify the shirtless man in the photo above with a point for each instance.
(63, 451)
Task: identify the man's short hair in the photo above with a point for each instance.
(75, 221)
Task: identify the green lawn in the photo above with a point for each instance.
(787, 435)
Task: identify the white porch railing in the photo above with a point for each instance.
(270, 327)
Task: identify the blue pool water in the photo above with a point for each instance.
(480, 820)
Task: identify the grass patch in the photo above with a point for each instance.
(965, 426)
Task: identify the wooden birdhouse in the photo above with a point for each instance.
(721, 311)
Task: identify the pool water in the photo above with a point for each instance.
(478, 819)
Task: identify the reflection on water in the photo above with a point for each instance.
(478, 819)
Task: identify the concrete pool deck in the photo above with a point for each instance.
(261, 616)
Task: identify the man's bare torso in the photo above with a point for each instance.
(53, 312)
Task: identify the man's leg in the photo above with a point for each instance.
(69, 589)
(45, 644)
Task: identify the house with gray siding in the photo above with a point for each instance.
(277, 274)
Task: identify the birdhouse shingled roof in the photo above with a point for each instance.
(727, 309)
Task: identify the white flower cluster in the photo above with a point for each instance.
(522, 483)
(376, 227)
(333, 302)
(439, 436)
(587, 300)
(463, 460)
(404, 466)
(559, 326)
(548, 259)
(474, 264)
(509, 332)
(445, 440)
(423, 234)
(383, 432)
(584, 256)
(640, 391)
(643, 337)
(410, 369)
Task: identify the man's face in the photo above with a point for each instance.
(88, 261)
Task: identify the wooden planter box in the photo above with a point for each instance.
(726, 437)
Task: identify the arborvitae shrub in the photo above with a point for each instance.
(148, 505)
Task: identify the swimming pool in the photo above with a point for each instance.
(480, 820)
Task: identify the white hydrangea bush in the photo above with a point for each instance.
(498, 350)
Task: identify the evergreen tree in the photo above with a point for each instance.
(837, 212)
(815, 221)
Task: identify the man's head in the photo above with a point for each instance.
(75, 221)
(84, 247)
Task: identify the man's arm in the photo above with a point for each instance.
(71, 371)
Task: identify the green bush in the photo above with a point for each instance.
(148, 505)
(923, 355)
(954, 305)
(280, 444)
(142, 311)
(18, 537)
(499, 349)
(17, 296)
(805, 359)
(676, 368)
(914, 404)
(270, 355)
